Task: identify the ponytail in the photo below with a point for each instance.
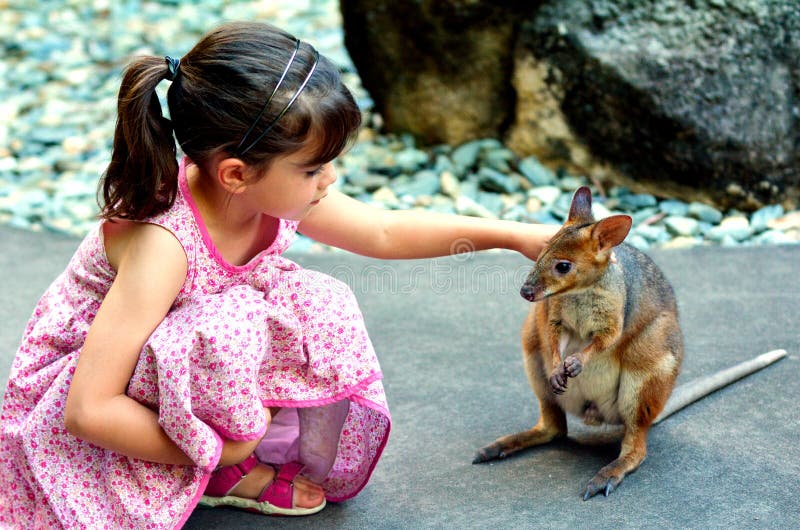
(141, 179)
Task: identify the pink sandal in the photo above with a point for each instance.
(276, 498)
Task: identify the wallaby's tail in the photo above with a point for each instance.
(688, 393)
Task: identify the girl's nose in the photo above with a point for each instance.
(328, 176)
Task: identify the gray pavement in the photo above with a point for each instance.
(446, 332)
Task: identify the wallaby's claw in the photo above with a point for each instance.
(490, 452)
(572, 366)
(600, 483)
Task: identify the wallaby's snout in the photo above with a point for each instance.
(532, 290)
(528, 292)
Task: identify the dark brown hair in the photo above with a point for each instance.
(220, 88)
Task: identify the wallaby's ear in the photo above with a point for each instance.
(580, 211)
(611, 231)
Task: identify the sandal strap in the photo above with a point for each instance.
(225, 478)
(280, 491)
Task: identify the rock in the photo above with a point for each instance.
(449, 184)
(546, 194)
(729, 241)
(761, 218)
(533, 205)
(735, 227)
(493, 202)
(410, 159)
(368, 181)
(570, 183)
(645, 215)
(705, 213)
(443, 163)
(469, 187)
(773, 237)
(790, 221)
(492, 180)
(637, 201)
(637, 241)
(498, 159)
(544, 217)
(674, 207)
(720, 121)
(682, 226)
(693, 98)
(535, 172)
(466, 206)
(682, 242)
(385, 196)
(455, 61)
(425, 182)
(465, 156)
(600, 211)
(653, 233)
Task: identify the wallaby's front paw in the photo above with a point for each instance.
(572, 366)
(558, 381)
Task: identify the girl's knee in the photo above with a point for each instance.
(236, 451)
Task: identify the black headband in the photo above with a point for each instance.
(239, 150)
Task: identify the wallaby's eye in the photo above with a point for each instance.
(562, 267)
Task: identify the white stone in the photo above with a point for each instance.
(547, 194)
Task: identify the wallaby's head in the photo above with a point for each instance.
(578, 254)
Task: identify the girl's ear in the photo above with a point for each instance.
(232, 175)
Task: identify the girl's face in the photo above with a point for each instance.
(291, 187)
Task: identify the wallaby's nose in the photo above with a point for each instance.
(528, 292)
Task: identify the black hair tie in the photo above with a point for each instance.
(172, 66)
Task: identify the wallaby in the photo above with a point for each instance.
(601, 341)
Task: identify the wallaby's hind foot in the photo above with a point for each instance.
(633, 453)
(508, 445)
(607, 479)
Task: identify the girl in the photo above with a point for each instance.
(180, 358)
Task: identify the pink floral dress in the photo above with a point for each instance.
(237, 339)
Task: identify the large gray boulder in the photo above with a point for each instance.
(699, 96)
(697, 99)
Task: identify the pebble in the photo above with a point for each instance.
(466, 206)
(790, 221)
(493, 180)
(449, 184)
(545, 194)
(736, 227)
(535, 172)
(705, 213)
(674, 207)
(762, 217)
(682, 226)
(58, 89)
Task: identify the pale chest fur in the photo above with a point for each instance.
(598, 385)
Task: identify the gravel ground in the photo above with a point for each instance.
(58, 85)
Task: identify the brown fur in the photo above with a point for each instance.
(601, 341)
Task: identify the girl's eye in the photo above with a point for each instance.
(315, 172)
(563, 267)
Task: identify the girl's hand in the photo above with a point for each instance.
(534, 238)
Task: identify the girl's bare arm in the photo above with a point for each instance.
(151, 269)
(352, 225)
